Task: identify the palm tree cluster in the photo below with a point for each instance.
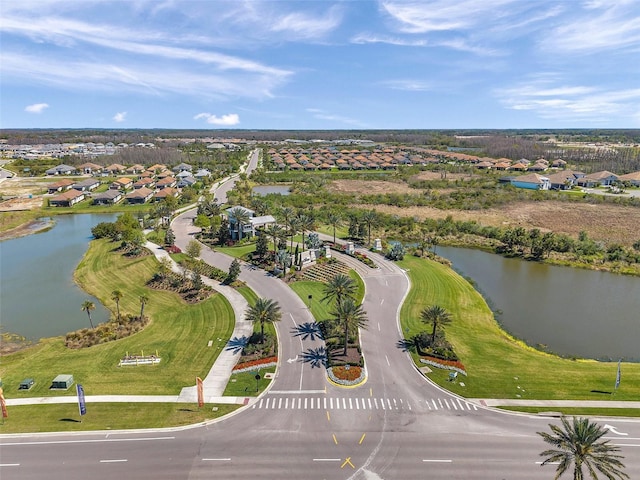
(340, 290)
(262, 312)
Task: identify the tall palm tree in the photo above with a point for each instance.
(116, 295)
(436, 315)
(241, 218)
(264, 311)
(307, 222)
(335, 221)
(274, 230)
(338, 288)
(351, 316)
(283, 258)
(286, 213)
(88, 306)
(578, 443)
(370, 217)
(294, 227)
(143, 301)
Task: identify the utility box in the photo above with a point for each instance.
(61, 382)
(26, 384)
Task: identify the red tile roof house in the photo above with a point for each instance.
(140, 195)
(166, 192)
(121, 184)
(90, 168)
(64, 184)
(144, 182)
(116, 168)
(166, 182)
(135, 169)
(67, 199)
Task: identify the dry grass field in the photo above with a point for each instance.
(611, 223)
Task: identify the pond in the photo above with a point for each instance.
(263, 190)
(567, 311)
(38, 297)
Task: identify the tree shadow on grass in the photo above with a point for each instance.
(72, 420)
(317, 357)
(236, 344)
(308, 330)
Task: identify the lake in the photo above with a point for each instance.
(263, 190)
(38, 297)
(571, 311)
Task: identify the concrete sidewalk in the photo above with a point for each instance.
(507, 402)
(122, 399)
(216, 381)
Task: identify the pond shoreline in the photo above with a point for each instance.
(38, 225)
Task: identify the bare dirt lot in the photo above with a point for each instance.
(19, 186)
(368, 187)
(20, 204)
(611, 223)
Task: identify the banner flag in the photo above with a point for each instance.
(3, 404)
(81, 403)
(200, 388)
(618, 376)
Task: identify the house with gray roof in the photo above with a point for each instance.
(109, 197)
(61, 169)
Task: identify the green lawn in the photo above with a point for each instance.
(108, 416)
(178, 332)
(600, 412)
(497, 363)
(319, 309)
(237, 252)
(245, 384)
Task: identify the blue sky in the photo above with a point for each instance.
(320, 64)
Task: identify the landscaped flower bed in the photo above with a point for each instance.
(347, 375)
(454, 365)
(255, 364)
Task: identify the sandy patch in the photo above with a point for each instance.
(18, 186)
(15, 204)
(368, 187)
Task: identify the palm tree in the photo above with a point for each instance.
(351, 316)
(274, 230)
(241, 217)
(335, 221)
(88, 306)
(370, 217)
(283, 258)
(264, 311)
(577, 442)
(294, 227)
(287, 214)
(436, 315)
(306, 223)
(143, 301)
(116, 295)
(338, 288)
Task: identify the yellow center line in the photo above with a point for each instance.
(362, 438)
(347, 461)
(328, 416)
(335, 440)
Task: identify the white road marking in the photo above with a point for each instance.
(437, 461)
(279, 403)
(119, 460)
(305, 403)
(387, 358)
(381, 301)
(550, 463)
(327, 459)
(292, 319)
(216, 459)
(102, 440)
(350, 404)
(434, 404)
(9, 464)
(613, 430)
(378, 326)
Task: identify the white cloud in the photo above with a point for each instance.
(154, 79)
(229, 119)
(408, 85)
(120, 117)
(36, 108)
(597, 105)
(603, 26)
(323, 115)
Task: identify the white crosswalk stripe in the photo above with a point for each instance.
(314, 402)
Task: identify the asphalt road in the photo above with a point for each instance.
(395, 426)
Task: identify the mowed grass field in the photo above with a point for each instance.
(178, 332)
(498, 365)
